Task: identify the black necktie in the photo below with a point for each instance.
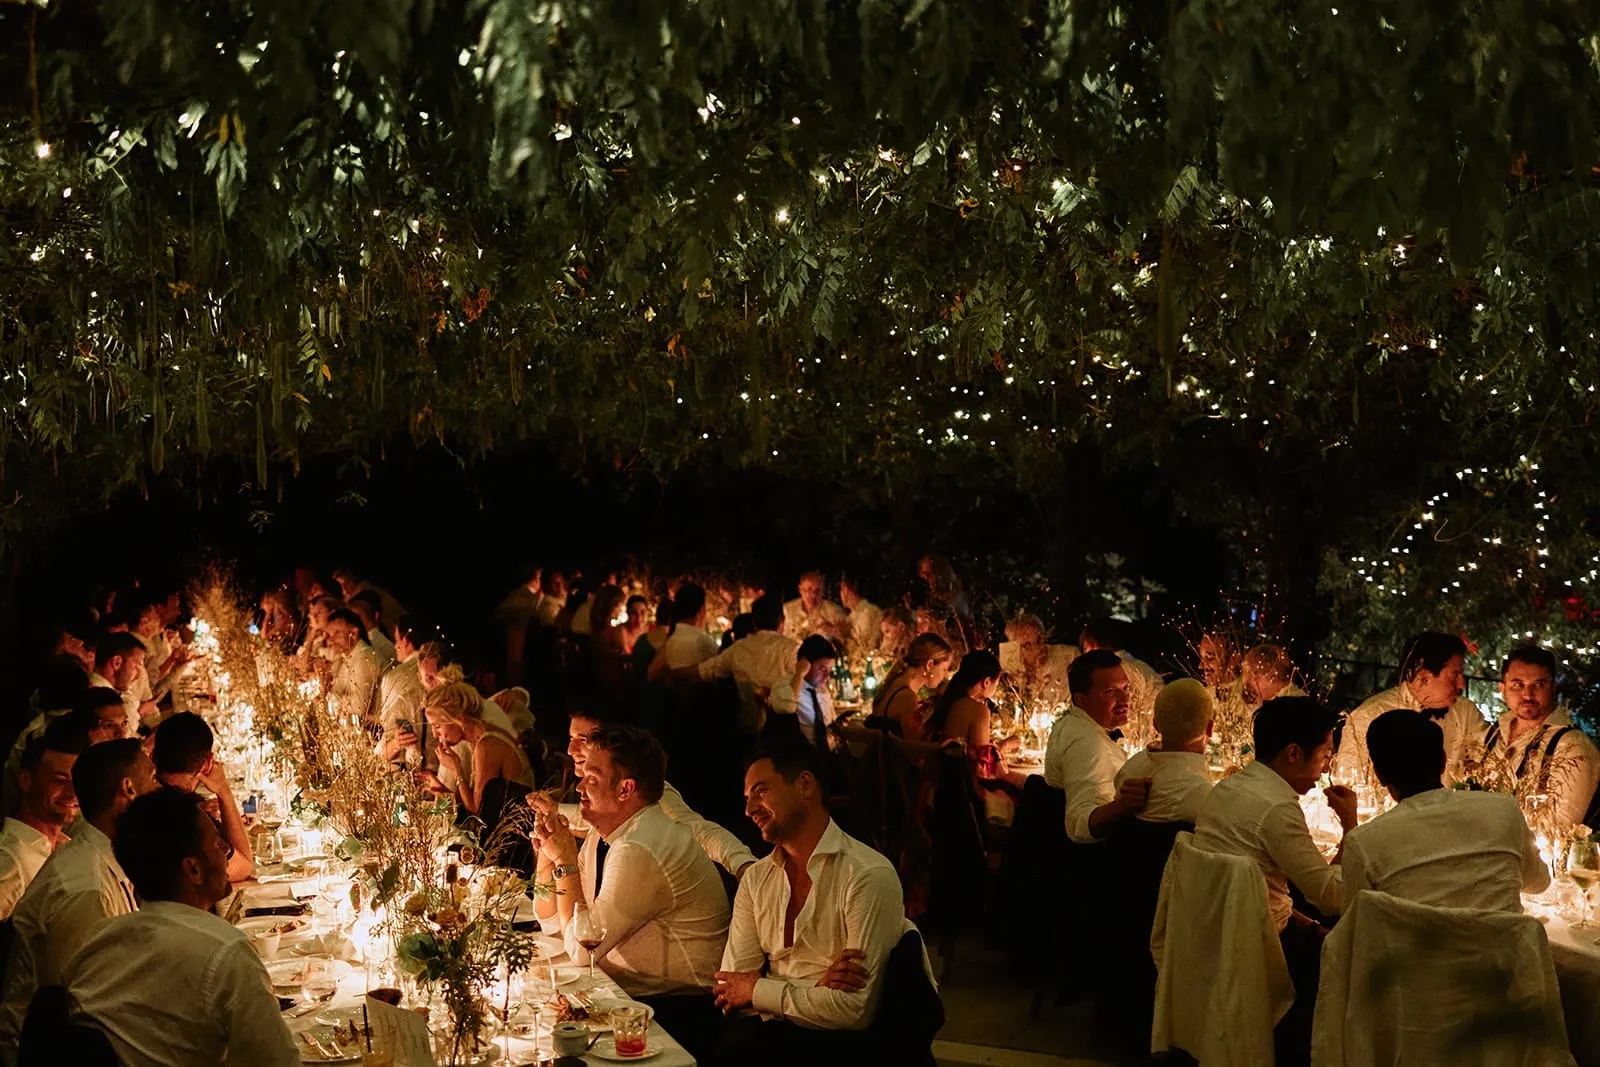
(819, 724)
(600, 851)
(1115, 735)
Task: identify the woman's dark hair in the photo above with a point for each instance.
(976, 668)
(689, 602)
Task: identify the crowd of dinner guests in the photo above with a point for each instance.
(770, 901)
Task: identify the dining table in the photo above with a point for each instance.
(1576, 955)
(507, 1048)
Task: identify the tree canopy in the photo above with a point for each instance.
(1327, 270)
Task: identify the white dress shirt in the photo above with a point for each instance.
(1463, 725)
(827, 618)
(1047, 683)
(1083, 760)
(400, 697)
(689, 646)
(661, 905)
(814, 699)
(383, 649)
(1448, 848)
(866, 627)
(855, 903)
(1257, 814)
(78, 887)
(23, 850)
(720, 846)
(764, 660)
(1571, 774)
(174, 986)
(1179, 784)
(355, 682)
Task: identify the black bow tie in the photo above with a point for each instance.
(1115, 735)
(1436, 713)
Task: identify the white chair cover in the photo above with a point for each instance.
(1222, 983)
(1406, 983)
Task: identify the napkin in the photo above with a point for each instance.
(403, 1032)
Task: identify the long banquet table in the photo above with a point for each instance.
(520, 1050)
(1577, 960)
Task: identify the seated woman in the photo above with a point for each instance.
(925, 666)
(455, 712)
(961, 715)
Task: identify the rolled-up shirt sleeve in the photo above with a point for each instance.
(874, 915)
(1288, 841)
(725, 850)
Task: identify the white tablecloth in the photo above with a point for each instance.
(1577, 960)
(353, 987)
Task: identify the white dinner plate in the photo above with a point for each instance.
(606, 1049)
(288, 975)
(341, 1054)
(260, 924)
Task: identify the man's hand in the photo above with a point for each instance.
(429, 780)
(1342, 799)
(847, 973)
(552, 838)
(216, 778)
(543, 804)
(735, 989)
(1133, 796)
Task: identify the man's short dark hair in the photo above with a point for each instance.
(637, 755)
(58, 736)
(97, 697)
(345, 615)
(767, 612)
(183, 744)
(99, 772)
(816, 647)
(1106, 633)
(790, 758)
(111, 645)
(414, 630)
(1080, 676)
(1287, 721)
(688, 602)
(1429, 651)
(155, 835)
(1532, 655)
(1407, 751)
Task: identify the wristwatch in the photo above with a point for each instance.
(564, 870)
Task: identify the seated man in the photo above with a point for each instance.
(1036, 667)
(1444, 847)
(1433, 679)
(1176, 765)
(173, 985)
(1144, 681)
(652, 895)
(1534, 746)
(118, 665)
(78, 887)
(184, 759)
(1083, 755)
(723, 849)
(1265, 673)
(819, 894)
(46, 805)
(812, 613)
(764, 662)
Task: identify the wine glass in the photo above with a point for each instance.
(1583, 867)
(589, 933)
(319, 984)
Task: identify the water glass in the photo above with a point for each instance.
(319, 984)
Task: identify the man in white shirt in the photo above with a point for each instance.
(644, 881)
(814, 700)
(1144, 681)
(350, 585)
(1266, 673)
(78, 887)
(1534, 747)
(719, 845)
(184, 758)
(688, 644)
(762, 663)
(1176, 767)
(366, 607)
(865, 621)
(810, 613)
(118, 663)
(1083, 755)
(355, 666)
(1036, 667)
(45, 806)
(1449, 848)
(1433, 678)
(819, 895)
(1256, 814)
(173, 985)
(401, 692)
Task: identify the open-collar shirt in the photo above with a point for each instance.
(1082, 758)
(855, 903)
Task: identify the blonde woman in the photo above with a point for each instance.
(455, 712)
(925, 666)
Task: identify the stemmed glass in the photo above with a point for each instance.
(1583, 867)
(589, 933)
